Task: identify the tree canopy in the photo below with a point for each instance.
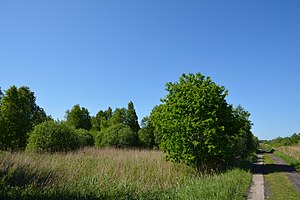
(79, 117)
(198, 126)
(19, 113)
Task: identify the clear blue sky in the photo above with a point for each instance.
(101, 53)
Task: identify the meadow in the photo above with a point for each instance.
(92, 173)
(290, 154)
(292, 151)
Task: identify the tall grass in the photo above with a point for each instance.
(292, 151)
(112, 174)
(290, 154)
(277, 182)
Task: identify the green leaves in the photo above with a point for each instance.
(197, 124)
(79, 117)
(18, 115)
(51, 136)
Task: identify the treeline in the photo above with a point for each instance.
(283, 141)
(194, 125)
(25, 125)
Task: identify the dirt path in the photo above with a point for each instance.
(256, 191)
(290, 172)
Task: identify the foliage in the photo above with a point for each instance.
(100, 121)
(155, 117)
(131, 118)
(198, 126)
(106, 121)
(118, 117)
(79, 117)
(18, 115)
(119, 136)
(85, 138)
(146, 133)
(284, 141)
(51, 136)
(92, 173)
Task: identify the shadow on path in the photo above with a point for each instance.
(281, 166)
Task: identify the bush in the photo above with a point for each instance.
(51, 136)
(85, 138)
(118, 136)
(198, 126)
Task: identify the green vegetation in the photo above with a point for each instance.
(194, 126)
(199, 128)
(51, 136)
(284, 141)
(112, 174)
(119, 136)
(18, 115)
(277, 182)
(79, 117)
(295, 163)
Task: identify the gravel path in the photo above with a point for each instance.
(290, 172)
(256, 191)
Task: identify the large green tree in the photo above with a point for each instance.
(197, 124)
(19, 114)
(79, 117)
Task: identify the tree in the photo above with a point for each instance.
(244, 140)
(131, 118)
(155, 117)
(1, 94)
(100, 121)
(79, 117)
(118, 135)
(51, 136)
(196, 123)
(146, 133)
(118, 117)
(19, 114)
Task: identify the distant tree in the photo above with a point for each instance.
(131, 118)
(1, 94)
(155, 117)
(85, 138)
(118, 117)
(146, 133)
(19, 114)
(79, 117)
(244, 140)
(118, 135)
(100, 121)
(52, 136)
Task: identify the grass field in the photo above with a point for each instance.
(292, 151)
(112, 174)
(290, 154)
(277, 182)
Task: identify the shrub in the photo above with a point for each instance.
(118, 135)
(51, 136)
(85, 138)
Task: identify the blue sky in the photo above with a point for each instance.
(104, 53)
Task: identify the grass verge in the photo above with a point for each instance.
(112, 174)
(277, 182)
(290, 156)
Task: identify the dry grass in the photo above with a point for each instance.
(111, 173)
(292, 151)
